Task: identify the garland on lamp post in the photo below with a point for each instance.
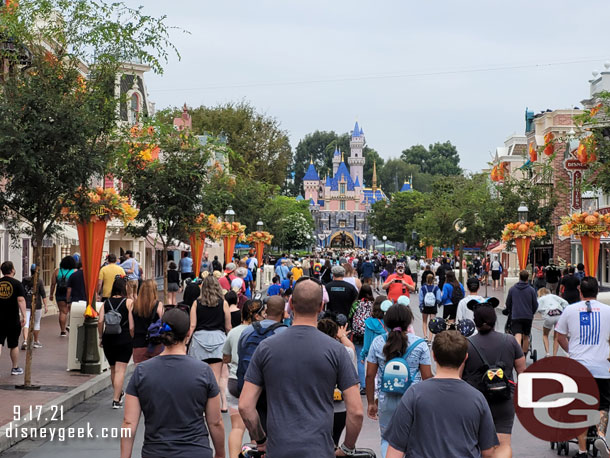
(202, 228)
(589, 228)
(522, 234)
(230, 233)
(259, 239)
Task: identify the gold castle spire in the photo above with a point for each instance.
(374, 177)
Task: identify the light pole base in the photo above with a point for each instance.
(90, 361)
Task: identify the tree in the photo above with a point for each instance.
(54, 123)
(276, 215)
(313, 147)
(396, 219)
(294, 231)
(167, 189)
(261, 149)
(438, 159)
(371, 157)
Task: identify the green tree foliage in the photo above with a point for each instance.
(438, 159)
(279, 220)
(168, 191)
(261, 149)
(396, 219)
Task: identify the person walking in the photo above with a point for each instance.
(397, 344)
(413, 266)
(173, 283)
(210, 322)
(368, 271)
(429, 299)
(41, 299)
(453, 293)
(496, 271)
(116, 339)
(467, 428)
(351, 276)
(552, 274)
(283, 365)
(176, 409)
(76, 286)
(185, 266)
(569, 286)
(363, 311)
(487, 350)
(399, 283)
(59, 290)
(550, 307)
(539, 278)
(326, 272)
(147, 309)
(341, 293)
(463, 312)
(12, 313)
(521, 304)
(583, 331)
(132, 269)
(106, 277)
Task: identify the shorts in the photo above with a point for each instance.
(60, 298)
(550, 322)
(232, 394)
(37, 317)
(603, 385)
(521, 326)
(212, 360)
(433, 310)
(449, 311)
(10, 334)
(141, 354)
(503, 414)
(495, 274)
(173, 287)
(132, 287)
(117, 353)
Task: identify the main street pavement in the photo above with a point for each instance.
(97, 413)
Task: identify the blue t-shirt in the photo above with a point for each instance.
(130, 264)
(186, 265)
(249, 278)
(285, 284)
(273, 290)
(368, 269)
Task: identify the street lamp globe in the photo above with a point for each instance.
(414, 235)
(230, 215)
(522, 212)
(259, 225)
(384, 238)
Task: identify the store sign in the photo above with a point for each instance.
(575, 168)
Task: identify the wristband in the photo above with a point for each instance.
(261, 441)
(348, 451)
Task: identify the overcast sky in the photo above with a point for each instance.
(409, 72)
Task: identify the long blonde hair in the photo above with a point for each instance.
(211, 292)
(147, 299)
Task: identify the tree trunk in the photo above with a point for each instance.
(27, 379)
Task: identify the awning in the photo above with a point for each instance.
(499, 249)
(66, 235)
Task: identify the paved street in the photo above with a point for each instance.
(97, 412)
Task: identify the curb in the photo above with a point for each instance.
(67, 401)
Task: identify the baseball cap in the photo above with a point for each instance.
(230, 267)
(236, 284)
(385, 305)
(177, 321)
(403, 300)
(33, 268)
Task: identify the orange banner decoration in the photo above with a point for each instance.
(549, 147)
(91, 237)
(590, 249)
(533, 153)
(523, 250)
(429, 252)
(456, 253)
(229, 247)
(260, 248)
(197, 245)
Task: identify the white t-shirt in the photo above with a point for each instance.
(550, 302)
(588, 335)
(495, 265)
(463, 312)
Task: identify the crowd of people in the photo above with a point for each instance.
(299, 364)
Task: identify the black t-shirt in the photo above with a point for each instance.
(28, 287)
(552, 274)
(425, 274)
(10, 290)
(173, 276)
(174, 407)
(441, 272)
(570, 285)
(341, 296)
(77, 284)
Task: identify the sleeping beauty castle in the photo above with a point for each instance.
(340, 204)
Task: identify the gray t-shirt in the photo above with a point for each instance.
(174, 406)
(423, 417)
(301, 367)
(230, 348)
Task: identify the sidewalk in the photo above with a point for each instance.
(48, 371)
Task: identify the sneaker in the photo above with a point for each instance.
(37, 345)
(67, 328)
(121, 397)
(582, 455)
(602, 447)
(63, 334)
(362, 391)
(116, 404)
(16, 371)
(24, 346)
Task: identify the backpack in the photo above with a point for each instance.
(397, 376)
(112, 319)
(430, 296)
(364, 310)
(153, 333)
(249, 346)
(457, 295)
(539, 272)
(62, 283)
(494, 383)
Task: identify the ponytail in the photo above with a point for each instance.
(398, 318)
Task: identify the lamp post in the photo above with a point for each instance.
(522, 212)
(230, 215)
(374, 243)
(260, 225)
(414, 237)
(384, 239)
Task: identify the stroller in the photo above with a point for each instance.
(533, 353)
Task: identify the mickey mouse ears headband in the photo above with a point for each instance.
(489, 302)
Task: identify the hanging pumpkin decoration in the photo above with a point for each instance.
(586, 151)
(494, 173)
(533, 153)
(549, 147)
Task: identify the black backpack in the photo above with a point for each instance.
(62, 283)
(457, 295)
(494, 382)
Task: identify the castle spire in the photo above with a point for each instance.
(374, 177)
(342, 157)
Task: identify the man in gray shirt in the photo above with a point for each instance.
(423, 425)
(301, 367)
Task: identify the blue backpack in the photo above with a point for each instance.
(397, 376)
(248, 347)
